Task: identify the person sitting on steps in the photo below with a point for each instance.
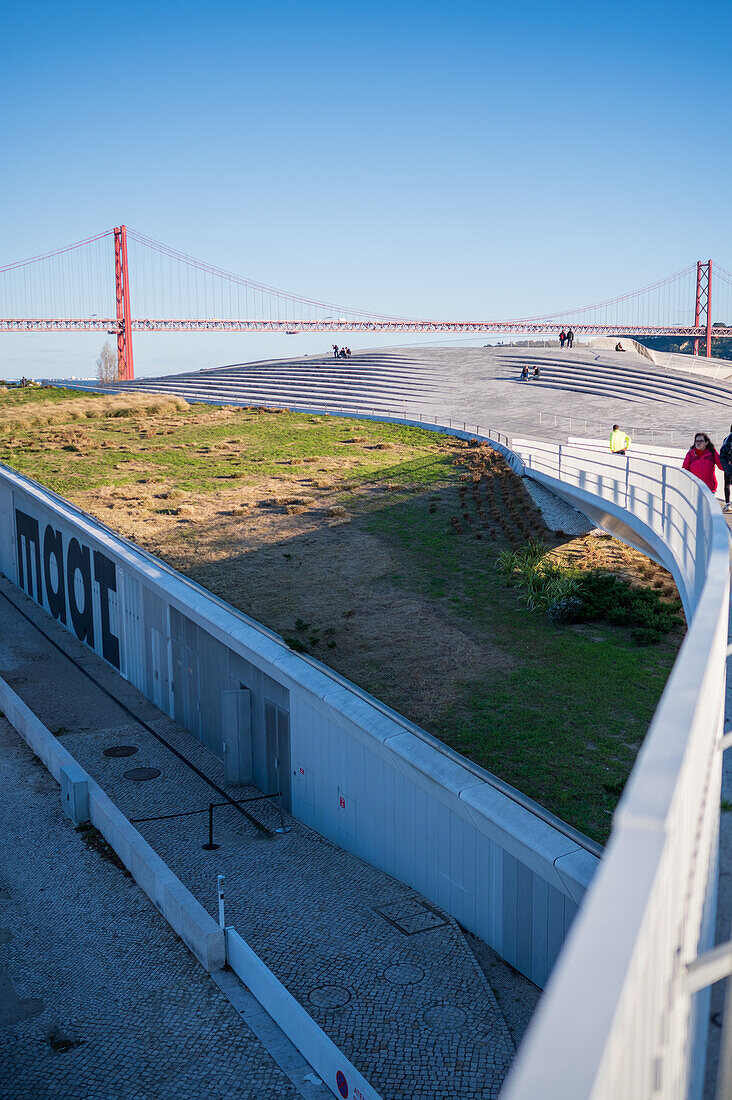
(525, 372)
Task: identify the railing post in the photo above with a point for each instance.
(210, 846)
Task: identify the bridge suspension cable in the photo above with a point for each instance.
(122, 281)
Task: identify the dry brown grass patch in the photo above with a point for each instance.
(90, 408)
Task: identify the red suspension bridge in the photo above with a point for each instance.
(71, 290)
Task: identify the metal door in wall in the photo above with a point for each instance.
(236, 732)
(158, 673)
(277, 732)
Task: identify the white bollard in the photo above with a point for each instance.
(221, 879)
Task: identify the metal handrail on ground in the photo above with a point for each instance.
(560, 420)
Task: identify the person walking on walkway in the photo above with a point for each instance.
(335, 351)
(570, 339)
(701, 460)
(619, 441)
(725, 457)
(562, 338)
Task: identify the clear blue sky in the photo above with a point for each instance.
(428, 159)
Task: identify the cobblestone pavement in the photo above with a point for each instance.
(98, 997)
(393, 983)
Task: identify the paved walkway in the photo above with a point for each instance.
(98, 997)
(392, 981)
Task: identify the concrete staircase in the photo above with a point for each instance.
(375, 382)
(627, 378)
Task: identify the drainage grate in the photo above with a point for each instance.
(120, 750)
(404, 974)
(444, 1017)
(139, 775)
(411, 916)
(329, 996)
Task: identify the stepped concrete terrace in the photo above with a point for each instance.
(477, 386)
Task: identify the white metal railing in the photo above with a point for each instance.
(622, 1016)
(572, 422)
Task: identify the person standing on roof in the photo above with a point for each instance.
(335, 351)
(570, 338)
(725, 457)
(619, 441)
(562, 338)
(701, 460)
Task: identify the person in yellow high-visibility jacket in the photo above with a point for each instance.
(619, 441)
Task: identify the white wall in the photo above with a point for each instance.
(360, 774)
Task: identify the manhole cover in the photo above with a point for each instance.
(404, 974)
(121, 750)
(138, 775)
(445, 1017)
(411, 916)
(330, 996)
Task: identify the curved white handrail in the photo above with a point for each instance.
(617, 1019)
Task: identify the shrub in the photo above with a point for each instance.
(566, 610)
(570, 595)
(645, 636)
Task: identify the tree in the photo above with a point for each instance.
(107, 370)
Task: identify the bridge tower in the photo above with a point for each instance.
(703, 302)
(125, 364)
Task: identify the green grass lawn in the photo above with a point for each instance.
(561, 716)
(565, 723)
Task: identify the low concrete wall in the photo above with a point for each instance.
(690, 364)
(186, 916)
(341, 1077)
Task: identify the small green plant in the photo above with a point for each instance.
(544, 582)
(574, 595)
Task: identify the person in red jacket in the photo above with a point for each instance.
(701, 459)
